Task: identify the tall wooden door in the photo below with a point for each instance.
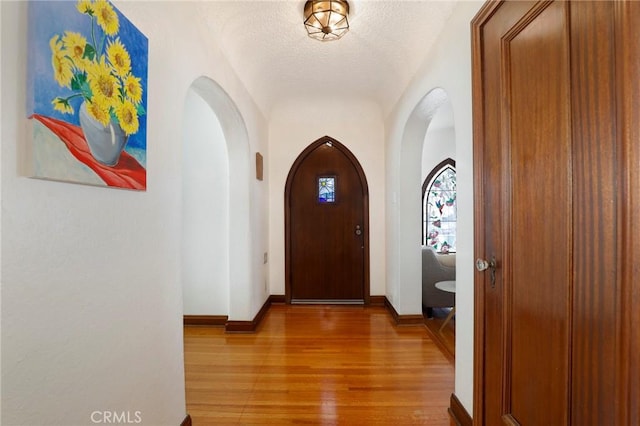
(326, 226)
(552, 326)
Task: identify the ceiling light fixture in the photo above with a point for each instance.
(326, 20)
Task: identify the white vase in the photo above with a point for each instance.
(105, 142)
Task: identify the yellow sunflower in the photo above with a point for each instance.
(99, 109)
(62, 69)
(133, 89)
(62, 105)
(84, 7)
(75, 44)
(106, 17)
(101, 82)
(119, 57)
(128, 117)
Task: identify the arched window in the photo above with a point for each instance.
(440, 207)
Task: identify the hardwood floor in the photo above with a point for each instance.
(333, 365)
(445, 337)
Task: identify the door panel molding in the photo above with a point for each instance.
(487, 126)
(537, 165)
(592, 274)
(627, 48)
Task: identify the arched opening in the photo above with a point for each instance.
(439, 217)
(428, 138)
(216, 205)
(205, 211)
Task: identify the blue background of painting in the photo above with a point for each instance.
(47, 18)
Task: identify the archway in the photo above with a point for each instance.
(205, 211)
(233, 205)
(409, 292)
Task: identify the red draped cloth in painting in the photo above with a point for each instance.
(128, 173)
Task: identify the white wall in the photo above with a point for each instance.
(91, 292)
(205, 211)
(448, 67)
(356, 124)
(439, 145)
(440, 140)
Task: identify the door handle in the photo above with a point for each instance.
(358, 230)
(483, 265)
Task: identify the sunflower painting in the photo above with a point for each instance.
(87, 100)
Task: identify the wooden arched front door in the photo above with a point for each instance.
(326, 227)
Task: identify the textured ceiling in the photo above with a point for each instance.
(267, 45)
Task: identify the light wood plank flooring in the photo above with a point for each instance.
(330, 365)
(445, 338)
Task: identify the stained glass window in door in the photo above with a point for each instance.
(327, 189)
(440, 211)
